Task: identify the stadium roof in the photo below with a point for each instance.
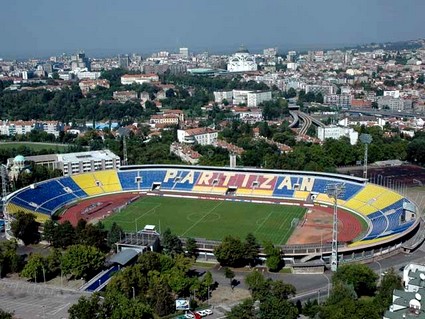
(124, 257)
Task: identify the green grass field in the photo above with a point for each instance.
(33, 146)
(209, 219)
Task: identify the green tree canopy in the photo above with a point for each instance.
(360, 276)
(35, 267)
(230, 252)
(82, 261)
(25, 227)
(244, 310)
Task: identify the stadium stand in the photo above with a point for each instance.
(108, 180)
(130, 180)
(382, 208)
(69, 182)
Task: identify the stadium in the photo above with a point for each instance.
(293, 209)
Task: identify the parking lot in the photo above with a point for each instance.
(29, 300)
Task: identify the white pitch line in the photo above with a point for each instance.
(209, 212)
(265, 219)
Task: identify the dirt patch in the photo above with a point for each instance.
(316, 227)
(97, 208)
(225, 295)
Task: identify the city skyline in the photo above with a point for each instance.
(40, 29)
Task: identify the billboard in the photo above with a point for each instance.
(182, 304)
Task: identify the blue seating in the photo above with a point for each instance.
(379, 225)
(48, 196)
(350, 190)
(187, 185)
(42, 192)
(128, 180)
(394, 219)
(69, 182)
(401, 228)
(17, 201)
(151, 176)
(284, 192)
(59, 201)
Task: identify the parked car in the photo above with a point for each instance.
(201, 312)
(208, 311)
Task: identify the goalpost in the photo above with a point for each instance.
(295, 222)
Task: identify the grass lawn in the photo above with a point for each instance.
(209, 219)
(33, 146)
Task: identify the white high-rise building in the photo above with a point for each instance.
(184, 52)
(241, 61)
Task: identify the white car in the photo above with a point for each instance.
(189, 316)
(208, 311)
(202, 313)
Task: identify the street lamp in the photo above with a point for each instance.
(329, 284)
(134, 292)
(366, 139)
(380, 269)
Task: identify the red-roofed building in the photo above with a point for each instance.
(361, 103)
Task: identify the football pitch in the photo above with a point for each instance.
(209, 219)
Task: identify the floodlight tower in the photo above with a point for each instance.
(334, 191)
(366, 139)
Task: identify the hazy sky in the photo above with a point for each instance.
(43, 27)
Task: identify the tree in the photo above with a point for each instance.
(115, 234)
(274, 261)
(251, 248)
(25, 227)
(160, 297)
(360, 276)
(291, 93)
(82, 261)
(129, 280)
(282, 290)
(343, 303)
(244, 310)
(117, 305)
(9, 259)
(87, 308)
(64, 235)
(319, 98)
(230, 252)
(258, 285)
(389, 282)
(93, 235)
(273, 307)
(5, 315)
(49, 229)
(416, 151)
(191, 248)
(311, 308)
(113, 305)
(229, 274)
(171, 243)
(205, 286)
(35, 267)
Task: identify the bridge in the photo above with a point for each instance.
(306, 120)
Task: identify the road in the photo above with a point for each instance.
(307, 122)
(384, 112)
(317, 286)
